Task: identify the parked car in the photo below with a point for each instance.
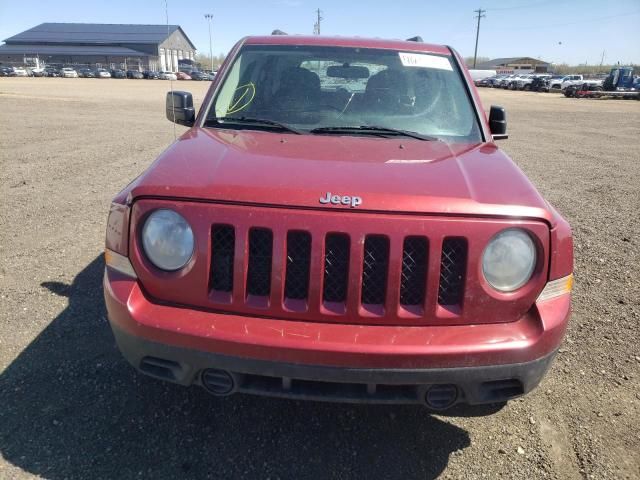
(134, 74)
(150, 75)
(86, 73)
(117, 73)
(515, 81)
(484, 82)
(555, 81)
(495, 80)
(183, 76)
(68, 72)
(200, 76)
(580, 83)
(19, 72)
(51, 71)
(568, 79)
(252, 263)
(560, 81)
(578, 90)
(164, 75)
(540, 84)
(504, 81)
(38, 72)
(101, 73)
(478, 75)
(6, 71)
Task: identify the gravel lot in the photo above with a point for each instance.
(70, 407)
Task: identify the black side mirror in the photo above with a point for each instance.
(180, 108)
(498, 123)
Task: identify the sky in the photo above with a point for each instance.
(574, 32)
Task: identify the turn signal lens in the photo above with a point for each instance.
(118, 262)
(555, 288)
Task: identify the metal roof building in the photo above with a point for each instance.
(153, 47)
(515, 64)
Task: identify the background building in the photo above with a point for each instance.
(515, 65)
(133, 47)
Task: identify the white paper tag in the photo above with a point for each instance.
(406, 161)
(423, 60)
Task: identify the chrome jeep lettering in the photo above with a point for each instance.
(351, 201)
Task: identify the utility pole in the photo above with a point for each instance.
(316, 27)
(481, 14)
(209, 17)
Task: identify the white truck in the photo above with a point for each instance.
(580, 81)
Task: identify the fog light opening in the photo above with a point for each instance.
(439, 397)
(218, 382)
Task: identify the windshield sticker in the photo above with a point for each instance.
(411, 162)
(422, 60)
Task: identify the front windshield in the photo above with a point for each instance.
(307, 88)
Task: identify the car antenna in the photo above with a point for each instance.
(277, 31)
(417, 38)
(173, 104)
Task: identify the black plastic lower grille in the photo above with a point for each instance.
(414, 271)
(336, 267)
(452, 271)
(223, 239)
(296, 284)
(374, 269)
(259, 270)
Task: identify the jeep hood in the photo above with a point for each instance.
(389, 174)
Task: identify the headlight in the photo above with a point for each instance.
(167, 240)
(509, 260)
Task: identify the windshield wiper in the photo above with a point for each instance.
(374, 129)
(252, 121)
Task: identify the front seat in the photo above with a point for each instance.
(386, 91)
(299, 93)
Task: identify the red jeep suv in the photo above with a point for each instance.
(339, 224)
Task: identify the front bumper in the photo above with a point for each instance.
(327, 361)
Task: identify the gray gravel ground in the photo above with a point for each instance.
(70, 407)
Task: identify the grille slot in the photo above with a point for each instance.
(452, 271)
(414, 271)
(259, 270)
(336, 267)
(374, 269)
(298, 261)
(223, 239)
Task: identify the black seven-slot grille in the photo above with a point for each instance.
(336, 267)
(374, 281)
(452, 271)
(414, 271)
(374, 269)
(298, 262)
(223, 240)
(259, 272)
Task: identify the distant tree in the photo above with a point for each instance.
(205, 60)
(469, 60)
(565, 69)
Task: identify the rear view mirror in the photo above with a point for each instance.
(179, 107)
(347, 71)
(498, 123)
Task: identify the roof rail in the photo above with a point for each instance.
(278, 32)
(417, 38)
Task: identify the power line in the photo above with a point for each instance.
(589, 20)
(527, 5)
(481, 14)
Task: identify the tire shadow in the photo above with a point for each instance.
(73, 408)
